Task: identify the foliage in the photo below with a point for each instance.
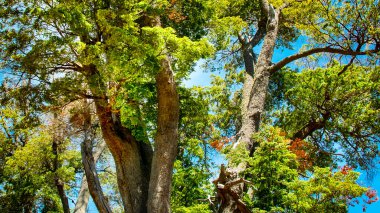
(52, 42)
(31, 168)
(201, 208)
(275, 184)
(190, 186)
(56, 52)
(325, 191)
(342, 107)
(270, 169)
(331, 22)
(192, 168)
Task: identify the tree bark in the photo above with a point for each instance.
(247, 122)
(132, 158)
(254, 94)
(84, 193)
(312, 126)
(166, 140)
(93, 182)
(89, 163)
(256, 98)
(144, 178)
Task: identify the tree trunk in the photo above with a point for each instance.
(230, 189)
(62, 195)
(83, 197)
(92, 177)
(144, 179)
(57, 138)
(132, 158)
(252, 113)
(247, 123)
(166, 140)
(89, 164)
(84, 193)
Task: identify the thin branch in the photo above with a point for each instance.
(235, 182)
(346, 66)
(294, 57)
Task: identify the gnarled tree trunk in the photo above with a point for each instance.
(132, 159)
(144, 179)
(230, 185)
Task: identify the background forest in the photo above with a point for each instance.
(96, 103)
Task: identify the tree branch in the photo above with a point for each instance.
(287, 60)
(346, 66)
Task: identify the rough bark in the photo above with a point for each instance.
(261, 76)
(229, 189)
(132, 159)
(254, 94)
(84, 193)
(247, 125)
(166, 140)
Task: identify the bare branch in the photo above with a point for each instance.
(294, 57)
(235, 182)
(347, 65)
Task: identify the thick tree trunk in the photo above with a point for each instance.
(144, 181)
(132, 158)
(166, 140)
(84, 193)
(252, 112)
(247, 123)
(229, 186)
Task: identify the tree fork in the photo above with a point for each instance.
(132, 158)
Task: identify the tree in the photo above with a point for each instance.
(272, 176)
(336, 107)
(277, 23)
(110, 51)
(37, 173)
(128, 58)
